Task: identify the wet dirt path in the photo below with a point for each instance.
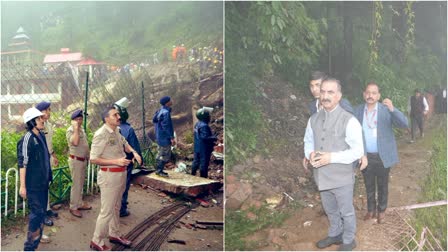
(404, 189)
(72, 233)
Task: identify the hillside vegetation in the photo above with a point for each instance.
(116, 32)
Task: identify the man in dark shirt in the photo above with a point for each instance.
(35, 175)
(164, 134)
(418, 109)
(128, 133)
(203, 143)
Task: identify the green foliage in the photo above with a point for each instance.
(189, 137)
(9, 149)
(238, 226)
(276, 38)
(434, 189)
(114, 32)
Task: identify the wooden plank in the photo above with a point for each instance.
(180, 183)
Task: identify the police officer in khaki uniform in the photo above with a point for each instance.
(108, 151)
(78, 158)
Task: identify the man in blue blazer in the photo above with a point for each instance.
(377, 120)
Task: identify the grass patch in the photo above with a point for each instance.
(434, 189)
(238, 226)
(11, 223)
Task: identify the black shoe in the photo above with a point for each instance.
(51, 213)
(48, 222)
(347, 247)
(329, 241)
(125, 213)
(162, 174)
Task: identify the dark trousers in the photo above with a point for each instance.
(124, 198)
(376, 179)
(201, 160)
(417, 121)
(37, 205)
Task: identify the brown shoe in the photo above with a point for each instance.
(85, 206)
(76, 212)
(97, 247)
(369, 215)
(381, 216)
(120, 240)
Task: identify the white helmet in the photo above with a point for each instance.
(123, 102)
(30, 114)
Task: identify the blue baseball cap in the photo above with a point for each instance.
(164, 100)
(43, 105)
(77, 113)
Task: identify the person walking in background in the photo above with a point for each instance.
(35, 175)
(78, 159)
(164, 134)
(333, 141)
(418, 109)
(203, 143)
(108, 151)
(377, 120)
(128, 133)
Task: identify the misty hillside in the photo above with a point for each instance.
(115, 32)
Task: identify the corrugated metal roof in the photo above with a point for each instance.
(62, 57)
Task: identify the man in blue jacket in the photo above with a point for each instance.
(128, 133)
(203, 143)
(164, 134)
(377, 120)
(35, 175)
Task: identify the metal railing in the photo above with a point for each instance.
(61, 194)
(6, 192)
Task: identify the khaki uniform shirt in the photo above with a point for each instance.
(48, 131)
(82, 150)
(108, 144)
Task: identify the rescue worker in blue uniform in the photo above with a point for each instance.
(35, 175)
(203, 143)
(128, 133)
(164, 134)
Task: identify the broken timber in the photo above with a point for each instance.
(181, 183)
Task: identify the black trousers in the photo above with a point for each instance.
(376, 180)
(416, 121)
(201, 160)
(37, 204)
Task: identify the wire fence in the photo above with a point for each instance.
(398, 234)
(92, 88)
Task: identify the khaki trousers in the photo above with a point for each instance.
(112, 185)
(78, 173)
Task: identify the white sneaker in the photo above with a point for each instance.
(45, 239)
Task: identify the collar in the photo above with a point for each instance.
(337, 105)
(167, 108)
(109, 129)
(376, 107)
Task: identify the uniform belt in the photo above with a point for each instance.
(77, 158)
(113, 169)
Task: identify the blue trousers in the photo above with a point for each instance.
(124, 199)
(37, 205)
(201, 160)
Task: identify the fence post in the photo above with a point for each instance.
(143, 113)
(85, 102)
